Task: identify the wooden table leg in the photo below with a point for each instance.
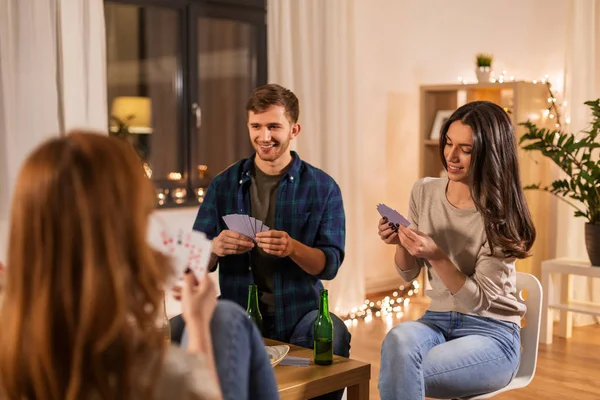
(359, 391)
(565, 329)
(547, 314)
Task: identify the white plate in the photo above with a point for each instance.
(277, 353)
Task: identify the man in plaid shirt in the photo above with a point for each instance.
(303, 207)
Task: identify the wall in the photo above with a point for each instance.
(402, 44)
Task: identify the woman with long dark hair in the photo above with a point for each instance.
(467, 230)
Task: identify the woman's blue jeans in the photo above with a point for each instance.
(243, 366)
(448, 355)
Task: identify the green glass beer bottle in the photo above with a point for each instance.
(252, 309)
(323, 345)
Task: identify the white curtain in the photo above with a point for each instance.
(52, 79)
(582, 83)
(311, 52)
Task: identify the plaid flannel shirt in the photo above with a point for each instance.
(309, 208)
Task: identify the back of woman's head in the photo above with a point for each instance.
(494, 177)
(83, 287)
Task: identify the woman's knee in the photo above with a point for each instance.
(405, 339)
(228, 315)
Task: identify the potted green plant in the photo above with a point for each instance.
(484, 67)
(577, 156)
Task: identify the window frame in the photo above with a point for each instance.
(245, 11)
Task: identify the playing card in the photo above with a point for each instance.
(231, 221)
(245, 224)
(184, 248)
(199, 253)
(158, 235)
(392, 215)
(181, 252)
(254, 226)
(248, 226)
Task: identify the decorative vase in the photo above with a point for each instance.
(592, 243)
(483, 74)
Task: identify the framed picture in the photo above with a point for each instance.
(440, 119)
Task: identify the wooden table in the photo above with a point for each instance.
(566, 268)
(301, 383)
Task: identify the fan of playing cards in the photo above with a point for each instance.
(245, 224)
(392, 215)
(187, 248)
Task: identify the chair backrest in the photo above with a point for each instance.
(530, 333)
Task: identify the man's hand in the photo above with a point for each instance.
(230, 242)
(276, 243)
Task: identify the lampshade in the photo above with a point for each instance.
(134, 111)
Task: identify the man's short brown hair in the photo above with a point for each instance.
(272, 94)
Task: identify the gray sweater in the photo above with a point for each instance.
(490, 288)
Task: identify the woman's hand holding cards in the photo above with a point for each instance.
(230, 242)
(388, 231)
(198, 301)
(419, 244)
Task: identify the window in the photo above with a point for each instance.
(179, 73)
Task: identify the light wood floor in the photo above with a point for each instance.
(566, 369)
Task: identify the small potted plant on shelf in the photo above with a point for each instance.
(484, 67)
(578, 157)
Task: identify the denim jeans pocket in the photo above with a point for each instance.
(511, 327)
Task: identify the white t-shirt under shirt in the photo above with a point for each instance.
(490, 288)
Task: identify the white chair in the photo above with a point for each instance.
(530, 334)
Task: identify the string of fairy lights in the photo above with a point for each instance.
(553, 111)
(393, 305)
(554, 108)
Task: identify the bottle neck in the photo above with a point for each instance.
(253, 298)
(324, 304)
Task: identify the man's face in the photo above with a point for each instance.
(271, 133)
